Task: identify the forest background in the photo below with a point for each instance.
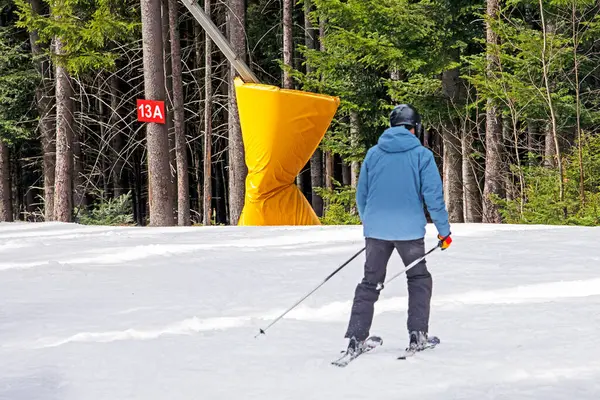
(509, 92)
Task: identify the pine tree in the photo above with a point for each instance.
(208, 100)
(494, 179)
(159, 182)
(237, 165)
(44, 102)
(63, 192)
(183, 197)
(288, 43)
(6, 212)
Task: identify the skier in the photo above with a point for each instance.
(396, 177)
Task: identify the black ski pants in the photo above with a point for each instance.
(420, 285)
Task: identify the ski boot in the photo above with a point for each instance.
(419, 341)
(356, 348)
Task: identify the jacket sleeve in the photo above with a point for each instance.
(433, 194)
(362, 187)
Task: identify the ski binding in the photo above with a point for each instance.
(371, 343)
(410, 351)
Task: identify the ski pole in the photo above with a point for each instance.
(262, 331)
(418, 260)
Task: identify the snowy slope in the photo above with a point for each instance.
(89, 313)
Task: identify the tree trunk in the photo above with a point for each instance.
(509, 146)
(547, 85)
(183, 196)
(208, 94)
(288, 51)
(237, 164)
(198, 151)
(329, 165)
(309, 31)
(494, 181)
(79, 199)
(453, 176)
(452, 166)
(316, 161)
(159, 175)
(43, 95)
(549, 148)
(30, 204)
(63, 194)
(221, 123)
(140, 200)
(197, 157)
(288, 42)
(322, 29)
(115, 129)
(79, 108)
(169, 102)
(316, 180)
(472, 192)
(16, 184)
(6, 212)
(105, 164)
(354, 138)
(49, 149)
(346, 174)
(327, 155)
(576, 39)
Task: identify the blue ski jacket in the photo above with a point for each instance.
(398, 177)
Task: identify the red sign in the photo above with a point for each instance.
(151, 111)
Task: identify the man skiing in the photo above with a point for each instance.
(397, 176)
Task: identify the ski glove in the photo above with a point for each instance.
(445, 242)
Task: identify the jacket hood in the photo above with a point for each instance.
(397, 140)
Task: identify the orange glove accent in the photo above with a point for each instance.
(445, 242)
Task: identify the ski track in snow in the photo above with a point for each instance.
(118, 255)
(186, 327)
(338, 311)
(134, 313)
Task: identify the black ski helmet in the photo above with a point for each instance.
(408, 116)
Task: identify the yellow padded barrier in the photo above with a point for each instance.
(281, 130)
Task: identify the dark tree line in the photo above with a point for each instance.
(508, 92)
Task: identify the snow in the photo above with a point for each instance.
(91, 313)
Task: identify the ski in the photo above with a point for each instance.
(431, 343)
(370, 344)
